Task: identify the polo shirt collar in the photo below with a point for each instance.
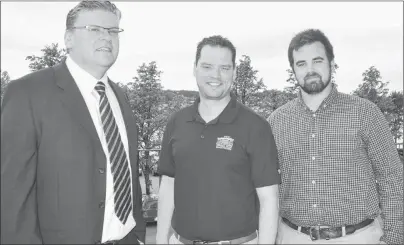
(226, 116)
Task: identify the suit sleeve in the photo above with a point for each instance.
(140, 228)
(19, 219)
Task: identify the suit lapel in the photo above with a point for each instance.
(74, 101)
(131, 131)
(128, 118)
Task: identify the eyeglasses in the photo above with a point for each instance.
(98, 30)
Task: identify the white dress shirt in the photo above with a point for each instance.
(113, 229)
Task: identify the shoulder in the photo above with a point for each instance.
(356, 101)
(286, 109)
(362, 107)
(180, 116)
(250, 119)
(36, 80)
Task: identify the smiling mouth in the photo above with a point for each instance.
(214, 84)
(104, 49)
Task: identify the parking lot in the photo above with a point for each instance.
(151, 227)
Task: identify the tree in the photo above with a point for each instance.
(375, 90)
(5, 79)
(270, 100)
(247, 85)
(397, 115)
(145, 97)
(51, 56)
(293, 86)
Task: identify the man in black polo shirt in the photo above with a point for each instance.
(222, 156)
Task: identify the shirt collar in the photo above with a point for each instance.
(226, 116)
(330, 99)
(85, 81)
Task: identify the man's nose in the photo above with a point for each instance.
(215, 73)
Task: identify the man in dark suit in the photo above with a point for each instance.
(69, 170)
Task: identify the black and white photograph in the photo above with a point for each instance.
(232, 122)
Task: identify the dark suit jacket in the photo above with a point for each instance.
(53, 179)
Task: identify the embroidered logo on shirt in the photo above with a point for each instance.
(225, 142)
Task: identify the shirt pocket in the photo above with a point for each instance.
(341, 142)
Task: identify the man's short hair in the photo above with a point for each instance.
(216, 40)
(308, 37)
(90, 6)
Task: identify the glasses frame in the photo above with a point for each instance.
(104, 29)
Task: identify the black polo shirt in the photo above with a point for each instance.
(217, 167)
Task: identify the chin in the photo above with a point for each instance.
(105, 63)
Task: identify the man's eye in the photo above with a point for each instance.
(94, 29)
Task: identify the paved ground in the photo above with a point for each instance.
(151, 233)
(151, 227)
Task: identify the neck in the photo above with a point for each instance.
(96, 72)
(210, 109)
(313, 101)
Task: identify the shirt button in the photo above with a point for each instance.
(313, 158)
(101, 205)
(325, 106)
(101, 170)
(202, 136)
(314, 115)
(314, 205)
(313, 182)
(313, 135)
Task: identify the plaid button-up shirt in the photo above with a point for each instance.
(337, 163)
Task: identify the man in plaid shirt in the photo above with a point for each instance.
(342, 178)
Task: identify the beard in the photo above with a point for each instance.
(313, 83)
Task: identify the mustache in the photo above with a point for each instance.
(311, 75)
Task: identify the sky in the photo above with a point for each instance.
(363, 34)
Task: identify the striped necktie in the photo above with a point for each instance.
(117, 157)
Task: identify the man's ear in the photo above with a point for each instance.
(69, 40)
(332, 67)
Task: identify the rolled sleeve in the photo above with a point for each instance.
(388, 170)
(166, 164)
(263, 156)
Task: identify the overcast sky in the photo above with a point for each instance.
(363, 34)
